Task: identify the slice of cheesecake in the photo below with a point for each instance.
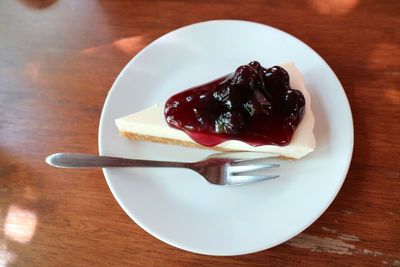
(151, 125)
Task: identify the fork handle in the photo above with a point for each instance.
(75, 160)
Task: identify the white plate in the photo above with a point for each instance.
(178, 206)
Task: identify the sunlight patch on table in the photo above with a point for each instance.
(6, 257)
(32, 71)
(20, 224)
(129, 45)
(333, 7)
(385, 55)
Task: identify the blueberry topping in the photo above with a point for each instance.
(254, 105)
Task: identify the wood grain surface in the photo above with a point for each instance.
(58, 59)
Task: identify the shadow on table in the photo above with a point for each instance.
(37, 4)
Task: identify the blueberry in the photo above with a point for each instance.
(244, 76)
(263, 102)
(293, 98)
(221, 94)
(256, 65)
(275, 80)
(293, 104)
(279, 76)
(230, 123)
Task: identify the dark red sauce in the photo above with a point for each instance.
(254, 105)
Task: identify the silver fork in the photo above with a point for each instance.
(216, 169)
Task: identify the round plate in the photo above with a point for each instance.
(180, 208)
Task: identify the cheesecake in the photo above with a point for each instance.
(252, 109)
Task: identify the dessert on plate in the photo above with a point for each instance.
(252, 109)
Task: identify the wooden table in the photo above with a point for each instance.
(58, 59)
